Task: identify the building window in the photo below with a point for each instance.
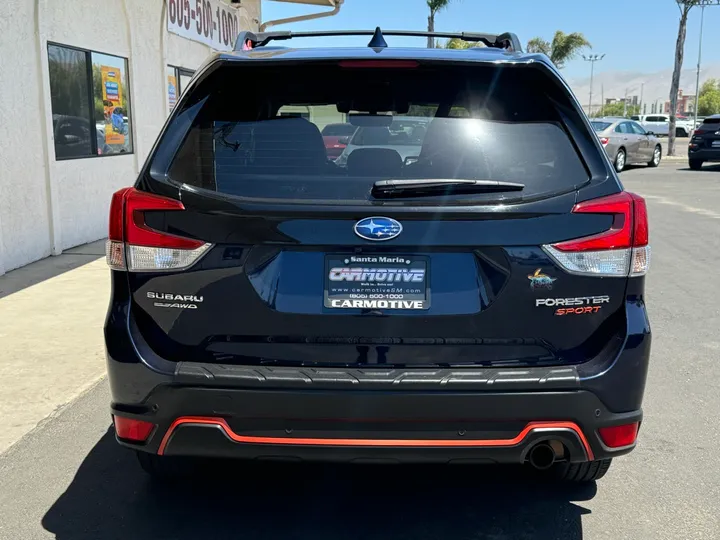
(90, 100)
(177, 80)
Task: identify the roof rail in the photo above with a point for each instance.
(251, 40)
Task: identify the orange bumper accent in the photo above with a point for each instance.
(411, 443)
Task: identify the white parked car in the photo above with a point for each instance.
(659, 124)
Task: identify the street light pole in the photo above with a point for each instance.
(697, 80)
(592, 58)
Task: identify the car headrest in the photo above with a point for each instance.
(453, 148)
(288, 142)
(374, 162)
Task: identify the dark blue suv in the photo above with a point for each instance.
(465, 286)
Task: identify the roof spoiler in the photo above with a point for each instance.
(250, 40)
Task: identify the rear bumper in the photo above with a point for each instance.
(374, 426)
(418, 415)
(705, 154)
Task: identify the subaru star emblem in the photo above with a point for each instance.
(378, 228)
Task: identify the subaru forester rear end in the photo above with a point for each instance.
(464, 284)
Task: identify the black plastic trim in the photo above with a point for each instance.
(545, 378)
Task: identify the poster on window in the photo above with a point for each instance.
(172, 91)
(115, 126)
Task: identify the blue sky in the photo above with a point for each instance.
(635, 35)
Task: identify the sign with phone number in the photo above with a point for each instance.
(211, 22)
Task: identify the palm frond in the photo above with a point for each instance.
(566, 46)
(539, 45)
(437, 5)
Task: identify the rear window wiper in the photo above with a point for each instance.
(440, 186)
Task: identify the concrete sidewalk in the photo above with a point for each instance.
(681, 149)
(51, 342)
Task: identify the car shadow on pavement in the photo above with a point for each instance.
(110, 497)
(26, 276)
(708, 167)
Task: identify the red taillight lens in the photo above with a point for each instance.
(132, 430)
(619, 436)
(620, 206)
(604, 141)
(641, 233)
(117, 207)
(390, 64)
(138, 233)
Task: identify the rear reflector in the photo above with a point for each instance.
(132, 430)
(619, 436)
(134, 246)
(620, 251)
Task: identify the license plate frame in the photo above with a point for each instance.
(377, 282)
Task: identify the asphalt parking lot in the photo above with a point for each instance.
(67, 478)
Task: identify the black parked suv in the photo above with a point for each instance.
(481, 300)
(705, 143)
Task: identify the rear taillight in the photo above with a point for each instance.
(604, 141)
(132, 245)
(620, 251)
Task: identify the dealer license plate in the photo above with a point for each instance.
(377, 282)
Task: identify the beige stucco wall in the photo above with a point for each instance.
(47, 206)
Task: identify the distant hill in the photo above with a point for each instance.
(657, 85)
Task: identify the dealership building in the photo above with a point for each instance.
(85, 87)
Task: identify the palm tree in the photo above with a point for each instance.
(457, 43)
(564, 46)
(435, 6)
(684, 6)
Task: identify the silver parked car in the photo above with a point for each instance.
(626, 142)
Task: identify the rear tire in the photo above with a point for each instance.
(581, 472)
(680, 132)
(696, 164)
(620, 160)
(657, 156)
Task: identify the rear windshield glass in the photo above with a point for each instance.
(712, 120)
(600, 126)
(265, 140)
